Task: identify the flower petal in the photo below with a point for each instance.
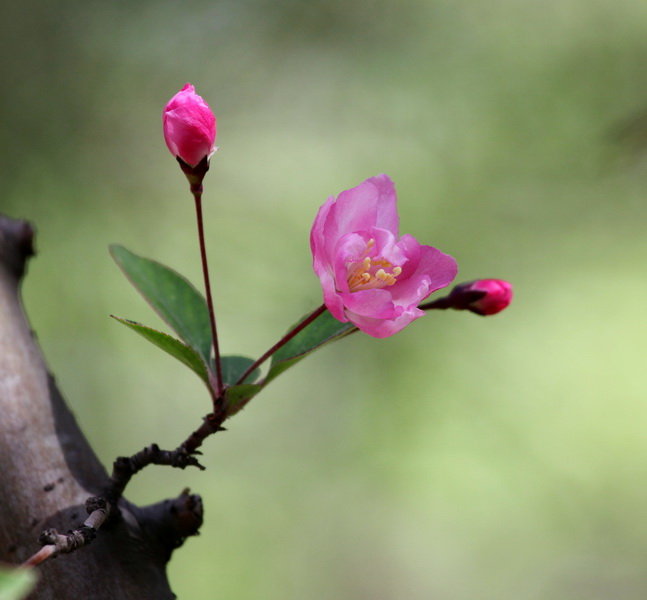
(376, 304)
(381, 328)
(332, 298)
(371, 204)
(322, 264)
(387, 247)
(433, 270)
(350, 250)
(387, 211)
(318, 241)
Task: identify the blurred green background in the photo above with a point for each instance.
(465, 458)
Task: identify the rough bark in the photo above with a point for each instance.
(48, 470)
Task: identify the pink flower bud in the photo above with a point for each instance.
(483, 296)
(189, 126)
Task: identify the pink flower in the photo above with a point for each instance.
(369, 275)
(483, 296)
(189, 126)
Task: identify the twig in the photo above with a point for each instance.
(100, 507)
(125, 467)
(211, 424)
(55, 543)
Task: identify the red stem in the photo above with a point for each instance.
(440, 303)
(197, 195)
(284, 340)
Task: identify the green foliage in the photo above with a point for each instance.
(322, 330)
(185, 310)
(175, 348)
(16, 583)
(171, 295)
(233, 368)
(238, 395)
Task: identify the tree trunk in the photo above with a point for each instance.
(48, 470)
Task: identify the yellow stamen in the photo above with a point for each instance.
(370, 273)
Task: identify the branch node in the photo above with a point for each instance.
(48, 536)
(95, 503)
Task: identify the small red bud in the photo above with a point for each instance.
(483, 296)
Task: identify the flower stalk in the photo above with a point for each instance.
(217, 386)
(284, 340)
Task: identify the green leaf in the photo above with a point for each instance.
(171, 295)
(16, 583)
(237, 396)
(322, 330)
(169, 344)
(234, 366)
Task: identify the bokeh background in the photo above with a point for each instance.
(498, 458)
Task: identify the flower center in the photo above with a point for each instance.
(368, 273)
